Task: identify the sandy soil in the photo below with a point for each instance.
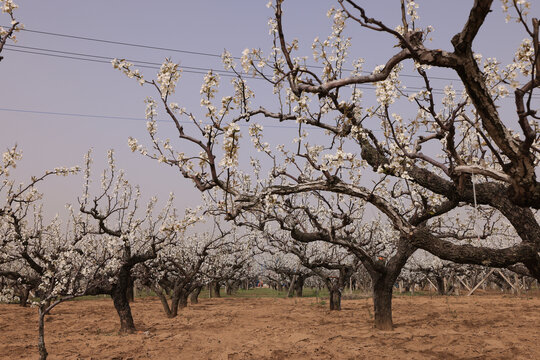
(477, 327)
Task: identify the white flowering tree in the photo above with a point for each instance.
(128, 233)
(8, 7)
(230, 264)
(484, 225)
(449, 151)
(333, 264)
(281, 268)
(179, 268)
(331, 235)
(68, 272)
(48, 259)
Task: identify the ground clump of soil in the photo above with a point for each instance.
(476, 327)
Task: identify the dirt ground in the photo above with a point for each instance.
(477, 327)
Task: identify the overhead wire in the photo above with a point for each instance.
(151, 65)
(106, 60)
(114, 117)
(155, 66)
(183, 51)
(123, 43)
(144, 64)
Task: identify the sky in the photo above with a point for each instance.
(38, 91)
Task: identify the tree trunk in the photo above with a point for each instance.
(215, 288)
(41, 339)
(229, 288)
(194, 296)
(121, 303)
(440, 285)
(299, 286)
(382, 302)
(179, 300)
(163, 297)
(291, 286)
(183, 299)
(130, 291)
(335, 299)
(175, 301)
(24, 297)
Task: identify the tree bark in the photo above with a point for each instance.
(163, 298)
(130, 291)
(24, 297)
(440, 285)
(175, 301)
(179, 299)
(335, 299)
(183, 299)
(299, 286)
(229, 288)
(194, 296)
(215, 288)
(382, 302)
(291, 286)
(121, 303)
(41, 334)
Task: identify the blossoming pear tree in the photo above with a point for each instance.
(333, 264)
(179, 268)
(281, 270)
(46, 257)
(128, 233)
(340, 221)
(231, 264)
(414, 157)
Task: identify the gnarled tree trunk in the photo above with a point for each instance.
(382, 302)
(383, 278)
(215, 288)
(194, 296)
(121, 303)
(229, 287)
(335, 299)
(163, 298)
(175, 301)
(299, 286)
(130, 291)
(183, 299)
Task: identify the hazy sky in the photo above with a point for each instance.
(36, 83)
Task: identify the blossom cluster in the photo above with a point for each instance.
(167, 77)
(126, 67)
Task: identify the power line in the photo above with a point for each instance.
(141, 64)
(170, 122)
(147, 64)
(185, 69)
(200, 53)
(107, 59)
(121, 117)
(190, 52)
